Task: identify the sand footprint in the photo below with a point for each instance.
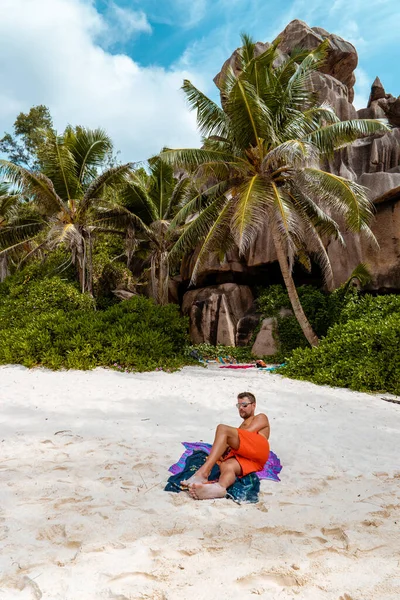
(333, 534)
(283, 578)
(338, 534)
(23, 584)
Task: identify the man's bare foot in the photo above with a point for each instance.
(206, 491)
(196, 478)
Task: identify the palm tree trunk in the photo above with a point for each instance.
(78, 258)
(163, 277)
(292, 292)
(154, 268)
(89, 265)
(3, 267)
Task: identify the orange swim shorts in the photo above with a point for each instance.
(253, 451)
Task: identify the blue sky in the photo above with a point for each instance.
(120, 63)
(208, 30)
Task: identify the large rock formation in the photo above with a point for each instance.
(373, 162)
(214, 312)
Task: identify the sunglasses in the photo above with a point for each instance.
(244, 404)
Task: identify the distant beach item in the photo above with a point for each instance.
(237, 366)
(226, 360)
(272, 367)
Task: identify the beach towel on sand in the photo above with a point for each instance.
(245, 489)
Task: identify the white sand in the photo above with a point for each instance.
(83, 514)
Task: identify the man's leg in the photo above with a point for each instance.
(225, 436)
(230, 469)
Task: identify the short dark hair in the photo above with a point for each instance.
(248, 395)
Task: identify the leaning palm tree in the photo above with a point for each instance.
(261, 158)
(145, 212)
(67, 194)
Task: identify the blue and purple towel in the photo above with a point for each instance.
(245, 489)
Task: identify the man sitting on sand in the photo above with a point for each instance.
(238, 451)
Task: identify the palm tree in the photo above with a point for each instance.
(15, 215)
(149, 210)
(8, 202)
(66, 196)
(261, 158)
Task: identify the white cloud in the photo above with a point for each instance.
(49, 55)
(179, 13)
(124, 23)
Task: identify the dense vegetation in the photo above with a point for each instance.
(322, 310)
(78, 229)
(47, 321)
(361, 351)
(261, 161)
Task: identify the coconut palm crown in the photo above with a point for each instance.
(65, 196)
(260, 165)
(14, 213)
(148, 211)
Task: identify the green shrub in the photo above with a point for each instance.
(270, 300)
(210, 352)
(361, 352)
(50, 323)
(56, 264)
(29, 298)
(321, 309)
(109, 268)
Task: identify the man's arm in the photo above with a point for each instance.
(259, 422)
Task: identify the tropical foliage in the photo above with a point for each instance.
(75, 224)
(260, 160)
(150, 211)
(361, 352)
(23, 146)
(66, 197)
(49, 322)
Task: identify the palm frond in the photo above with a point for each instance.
(134, 196)
(192, 158)
(198, 229)
(251, 201)
(89, 148)
(315, 244)
(292, 153)
(344, 197)
(246, 51)
(216, 237)
(60, 233)
(211, 119)
(19, 233)
(199, 201)
(59, 165)
(312, 213)
(161, 184)
(119, 217)
(110, 178)
(34, 185)
(17, 246)
(178, 196)
(337, 135)
(250, 118)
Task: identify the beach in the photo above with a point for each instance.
(83, 512)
